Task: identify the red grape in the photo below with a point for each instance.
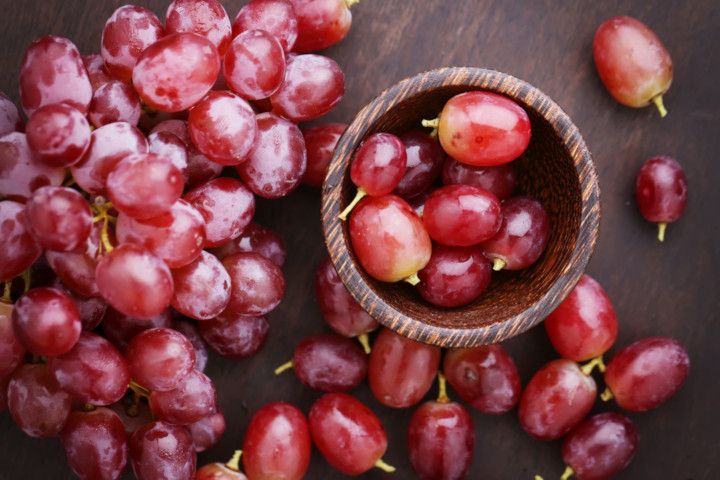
(584, 325)
(258, 239)
(176, 72)
(10, 120)
(206, 18)
(191, 332)
(161, 451)
(46, 321)
(277, 17)
(557, 398)
(258, 285)
(95, 444)
(52, 72)
(134, 281)
(401, 370)
(77, 269)
(37, 404)
(379, 164)
(20, 172)
(192, 400)
(321, 23)
(483, 129)
(661, 192)
(18, 248)
(329, 363)
(202, 288)
(647, 373)
(313, 85)
(59, 218)
(168, 145)
(96, 70)
(277, 443)
(235, 336)
(523, 235)
(207, 431)
(254, 65)
(485, 377)
(348, 434)
(632, 62)
(160, 358)
(600, 447)
(499, 180)
(114, 102)
(320, 142)
(58, 135)
(279, 159)
(12, 351)
(120, 329)
(425, 160)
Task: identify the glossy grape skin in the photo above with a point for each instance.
(313, 85)
(192, 400)
(202, 288)
(36, 403)
(120, 329)
(425, 160)
(632, 61)
(235, 336)
(600, 447)
(160, 358)
(258, 239)
(484, 377)
(59, 218)
(279, 159)
(161, 451)
(347, 433)
(388, 238)
(206, 18)
(96, 70)
(584, 325)
(191, 332)
(134, 281)
(661, 190)
(401, 371)
(258, 285)
(523, 235)
(227, 207)
(58, 135)
(330, 363)
(218, 471)
(339, 309)
(170, 146)
(46, 321)
(223, 127)
(10, 120)
(483, 129)
(207, 431)
(379, 164)
(18, 248)
(254, 66)
(321, 23)
(441, 440)
(114, 102)
(320, 141)
(557, 398)
(77, 269)
(20, 173)
(645, 374)
(455, 276)
(276, 17)
(277, 444)
(52, 72)
(176, 72)
(95, 444)
(12, 352)
(499, 180)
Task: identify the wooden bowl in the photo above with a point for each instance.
(557, 169)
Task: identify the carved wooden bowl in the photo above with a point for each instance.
(557, 169)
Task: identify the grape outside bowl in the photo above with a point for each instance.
(557, 169)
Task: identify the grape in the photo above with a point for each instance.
(177, 237)
(388, 238)
(91, 309)
(499, 180)
(10, 120)
(401, 370)
(455, 276)
(557, 398)
(108, 145)
(161, 451)
(207, 431)
(279, 159)
(176, 127)
(277, 17)
(58, 135)
(37, 404)
(46, 321)
(59, 218)
(258, 285)
(114, 102)
(425, 160)
(313, 85)
(12, 351)
(227, 207)
(93, 371)
(258, 239)
(483, 129)
(134, 281)
(254, 66)
(18, 249)
(321, 23)
(320, 142)
(485, 377)
(234, 336)
(347, 433)
(661, 192)
(129, 31)
(218, 471)
(645, 374)
(523, 235)
(77, 269)
(202, 288)
(160, 359)
(192, 400)
(170, 146)
(20, 173)
(223, 127)
(95, 444)
(379, 164)
(120, 329)
(632, 62)
(206, 18)
(96, 70)
(191, 332)
(52, 72)
(584, 325)
(330, 363)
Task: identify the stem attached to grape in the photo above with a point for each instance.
(138, 389)
(588, 368)
(6, 298)
(102, 214)
(26, 280)
(88, 407)
(234, 462)
(350, 3)
(662, 226)
(658, 101)
(442, 389)
(384, 466)
(567, 473)
(412, 279)
(434, 124)
(606, 395)
(284, 367)
(499, 264)
(364, 340)
(359, 196)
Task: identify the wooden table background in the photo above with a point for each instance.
(670, 289)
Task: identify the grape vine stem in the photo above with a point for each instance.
(588, 368)
(442, 389)
(284, 367)
(6, 298)
(434, 124)
(662, 226)
(412, 279)
(234, 462)
(567, 473)
(499, 264)
(658, 101)
(102, 214)
(384, 466)
(138, 389)
(364, 340)
(606, 395)
(350, 3)
(361, 193)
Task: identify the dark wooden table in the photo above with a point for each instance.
(669, 289)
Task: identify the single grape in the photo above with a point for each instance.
(206, 18)
(161, 451)
(485, 377)
(10, 120)
(76, 269)
(632, 62)
(192, 400)
(499, 180)
(277, 17)
(114, 102)
(202, 288)
(425, 160)
(320, 142)
(168, 145)
(191, 332)
(557, 398)
(645, 374)
(12, 351)
(235, 336)
(120, 329)
(254, 66)
(46, 321)
(20, 172)
(18, 248)
(661, 192)
(321, 23)
(277, 443)
(279, 159)
(584, 325)
(96, 70)
(313, 85)
(91, 309)
(95, 444)
(258, 285)
(207, 431)
(258, 239)
(59, 218)
(58, 135)
(160, 359)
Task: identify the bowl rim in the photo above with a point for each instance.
(338, 245)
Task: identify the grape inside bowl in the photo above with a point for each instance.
(557, 169)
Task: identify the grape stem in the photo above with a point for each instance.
(384, 466)
(70, 181)
(662, 226)
(359, 196)
(364, 340)
(538, 477)
(102, 214)
(588, 368)
(88, 407)
(567, 473)
(606, 395)
(442, 389)
(658, 101)
(6, 298)
(138, 389)
(26, 280)
(350, 3)
(412, 279)
(434, 124)
(499, 264)
(234, 462)
(284, 367)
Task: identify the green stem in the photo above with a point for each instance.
(606, 395)
(412, 279)
(26, 280)
(138, 389)
(658, 101)
(499, 264)
(384, 466)
(7, 292)
(284, 367)
(364, 340)
(588, 368)
(567, 473)
(350, 3)
(662, 226)
(434, 124)
(361, 193)
(442, 389)
(234, 463)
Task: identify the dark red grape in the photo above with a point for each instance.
(276, 17)
(20, 173)
(170, 146)
(10, 120)
(206, 18)
(378, 165)
(59, 218)
(321, 23)
(46, 321)
(235, 336)
(254, 66)
(120, 329)
(114, 102)
(161, 451)
(18, 248)
(192, 400)
(207, 431)
(329, 363)
(258, 285)
(77, 269)
(320, 142)
(499, 180)
(258, 239)
(202, 288)
(160, 358)
(191, 332)
(96, 70)
(661, 192)
(58, 135)
(12, 351)
(425, 160)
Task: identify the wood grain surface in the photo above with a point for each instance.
(669, 289)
